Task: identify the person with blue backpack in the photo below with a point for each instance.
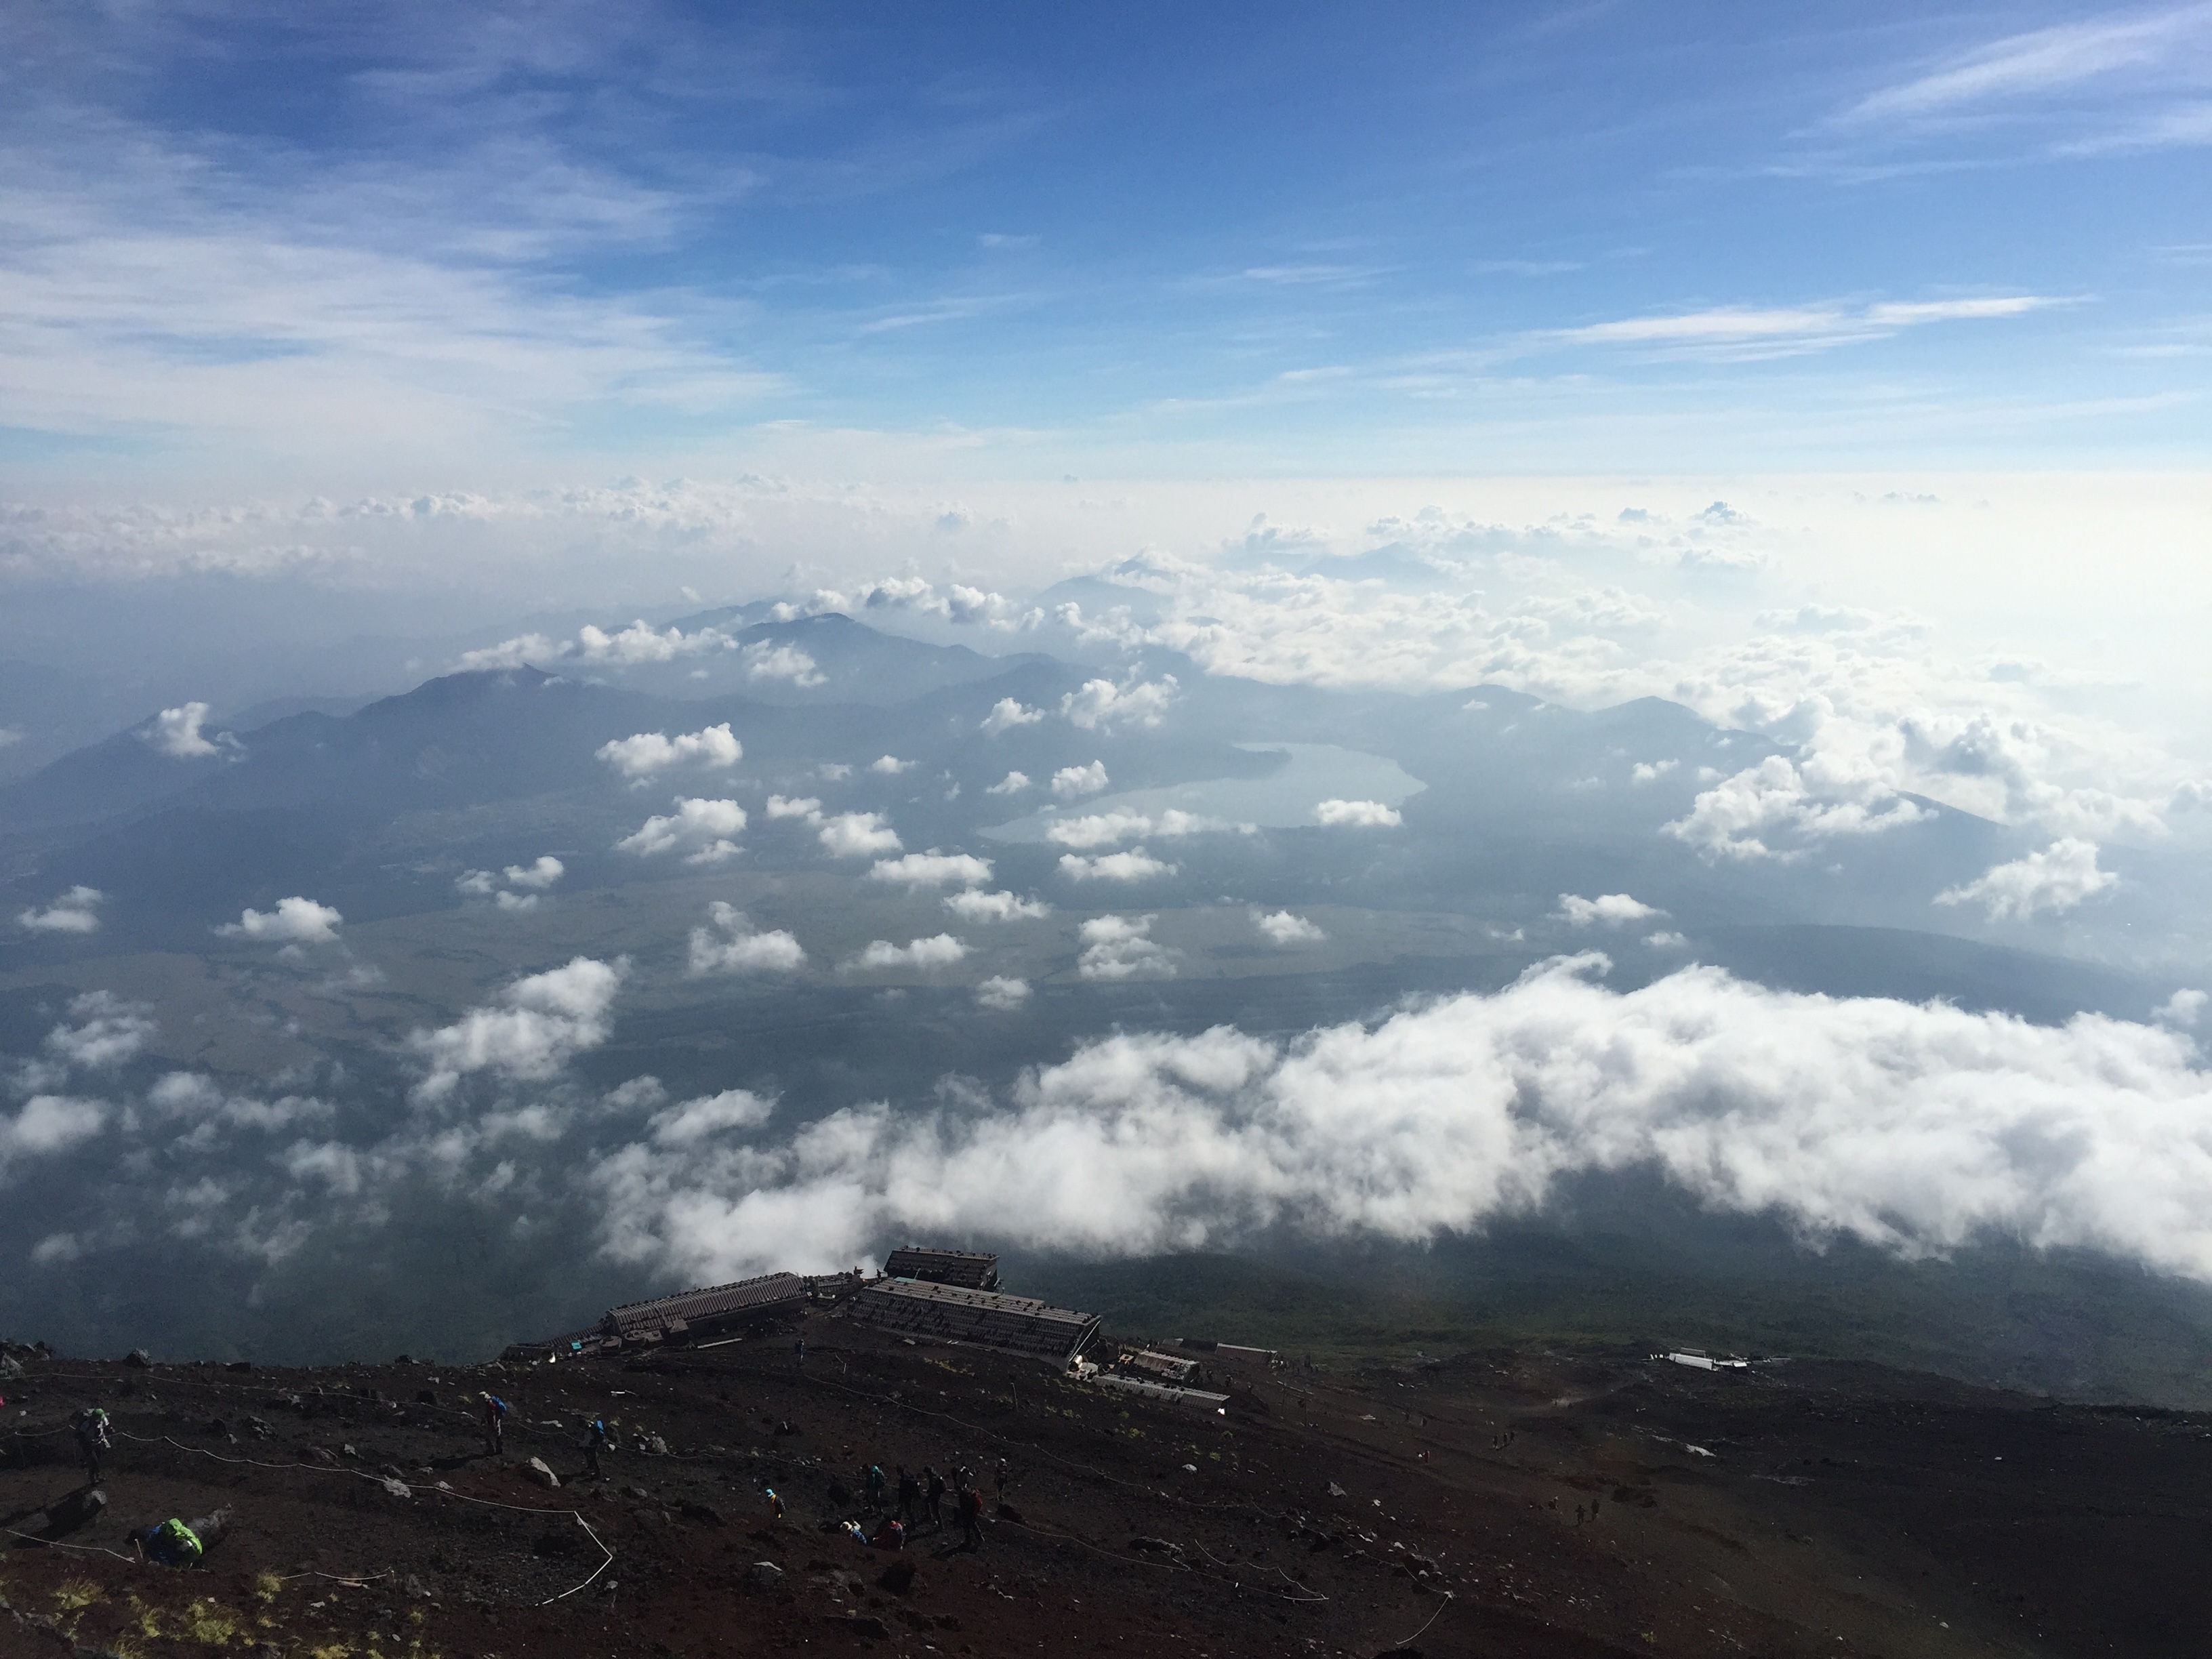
(495, 1425)
(595, 1437)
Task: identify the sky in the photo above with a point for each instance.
(258, 250)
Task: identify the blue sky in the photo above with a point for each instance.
(428, 245)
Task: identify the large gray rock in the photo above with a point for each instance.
(537, 1469)
(763, 1576)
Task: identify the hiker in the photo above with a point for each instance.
(935, 1500)
(799, 1348)
(873, 1481)
(1002, 1477)
(92, 1440)
(774, 1505)
(971, 1517)
(495, 1425)
(891, 1535)
(175, 1543)
(909, 1491)
(595, 1437)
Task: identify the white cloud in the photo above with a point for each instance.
(891, 765)
(939, 951)
(999, 994)
(108, 1031)
(1103, 829)
(1071, 782)
(732, 947)
(2040, 61)
(1737, 332)
(476, 884)
(1007, 714)
(1611, 909)
(46, 1125)
(1122, 947)
(2182, 1010)
(1665, 941)
(933, 869)
(834, 771)
(1099, 828)
(1284, 928)
(767, 661)
(514, 901)
(1649, 771)
(700, 829)
(293, 921)
(177, 733)
(807, 807)
(645, 753)
(1358, 814)
(858, 836)
(638, 643)
(1101, 704)
(1741, 816)
(973, 906)
(540, 1024)
(1918, 1128)
(694, 1120)
(76, 911)
(1136, 865)
(2057, 879)
(1012, 784)
(540, 874)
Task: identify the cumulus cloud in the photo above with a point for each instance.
(1284, 928)
(939, 950)
(1916, 1129)
(76, 911)
(932, 869)
(538, 1025)
(108, 1030)
(730, 946)
(1758, 811)
(178, 733)
(645, 753)
(48, 1124)
(691, 1122)
(1071, 781)
(1665, 941)
(541, 873)
(1101, 704)
(890, 765)
(1012, 784)
(999, 994)
(701, 830)
(1136, 865)
(1611, 909)
(1104, 829)
(1122, 947)
(859, 836)
(974, 906)
(295, 921)
(638, 643)
(806, 807)
(1358, 814)
(1650, 771)
(767, 661)
(2057, 878)
(1007, 714)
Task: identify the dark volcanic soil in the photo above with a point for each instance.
(1796, 1509)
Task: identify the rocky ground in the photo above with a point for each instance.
(1523, 1501)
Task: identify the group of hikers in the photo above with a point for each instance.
(902, 1506)
(171, 1543)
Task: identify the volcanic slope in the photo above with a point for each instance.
(1520, 1501)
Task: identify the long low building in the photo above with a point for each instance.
(990, 1319)
(696, 1316)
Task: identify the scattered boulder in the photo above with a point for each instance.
(762, 1577)
(538, 1469)
(138, 1360)
(638, 1493)
(397, 1488)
